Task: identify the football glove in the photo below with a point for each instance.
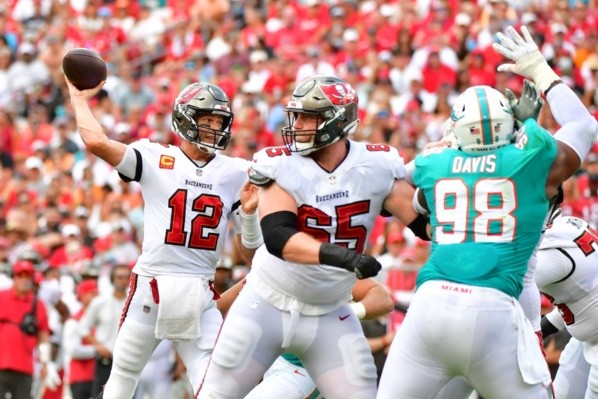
(529, 104)
(363, 266)
(529, 61)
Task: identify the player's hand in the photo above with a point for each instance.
(528, 106)
(363, 266)
(249, 198)
(366, 266)
(529, 61)
(52, 379)
(84, 94)
(449, 141)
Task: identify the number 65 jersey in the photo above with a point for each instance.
(337, 207)
(186, 206)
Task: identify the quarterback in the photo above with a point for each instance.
(190, 192)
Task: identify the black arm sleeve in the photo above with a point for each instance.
(419, 227)
(277, 228)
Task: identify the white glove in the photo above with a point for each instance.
(529, 61)
(52, 380)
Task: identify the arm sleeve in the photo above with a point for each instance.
(130, 167)
(552, 266)
(529, 299)
(578, 127)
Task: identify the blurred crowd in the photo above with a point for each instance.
(407, 59)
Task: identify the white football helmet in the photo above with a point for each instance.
(481, 120)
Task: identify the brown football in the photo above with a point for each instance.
(84, 68)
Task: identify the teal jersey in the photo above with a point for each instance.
(294, 360)
(487, 210)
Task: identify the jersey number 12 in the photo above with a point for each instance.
(209, 209)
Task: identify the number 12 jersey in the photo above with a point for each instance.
(186, 208)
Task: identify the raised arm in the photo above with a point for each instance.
(578, 127)
(91, 131)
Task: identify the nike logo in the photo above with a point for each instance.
(341, 318)
(296, 371)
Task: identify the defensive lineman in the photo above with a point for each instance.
(486, 220)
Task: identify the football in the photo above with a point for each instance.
(84, 68)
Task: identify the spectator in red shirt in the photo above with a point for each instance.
(80, 351)
(18, 338)
(435, 73)
(480, 73)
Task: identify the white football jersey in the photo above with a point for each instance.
(186, 207)
(567, 272)
(337, 207)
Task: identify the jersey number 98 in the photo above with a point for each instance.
(494, 201)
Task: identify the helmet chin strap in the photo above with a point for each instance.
(203, 148)
(307, 147)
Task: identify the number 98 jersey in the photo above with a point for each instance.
(186, 206)
(487, 210)
(337, 207)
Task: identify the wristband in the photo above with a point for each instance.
(556, 82)
(251, 234)
(45, 352)
(359, 309)
(335, 255)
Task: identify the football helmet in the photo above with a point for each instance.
(481, 119)
(196, 100)
(333, 101)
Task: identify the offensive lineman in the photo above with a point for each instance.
(320, 195)
(190, 192)
(488, 200)
(567, 273)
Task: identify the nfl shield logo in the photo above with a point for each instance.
(198, 172)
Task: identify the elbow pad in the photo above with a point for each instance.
(277, 229)
(419, 203)
(419, 227)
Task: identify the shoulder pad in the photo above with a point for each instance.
(258, 179)
(267, 163)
